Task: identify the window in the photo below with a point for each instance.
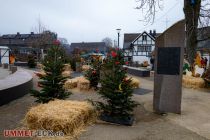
(139, 48)
(144, 48)
(138, 41)
(144, 37)
(149, 49)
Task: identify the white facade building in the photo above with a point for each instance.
(138, 47)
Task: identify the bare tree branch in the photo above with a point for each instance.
(149, 9)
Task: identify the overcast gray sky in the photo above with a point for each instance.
(83, 20)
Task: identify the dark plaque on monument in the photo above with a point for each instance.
(168, 60)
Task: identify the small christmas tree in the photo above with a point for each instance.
(116, 89)
(93, 74)
(31, 61)
(52, 82)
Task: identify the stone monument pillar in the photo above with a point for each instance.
(169, 53)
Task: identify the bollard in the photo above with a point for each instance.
(5, 66)
(10, 66)
(13, 69)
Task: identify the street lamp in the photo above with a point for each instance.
(118, 33)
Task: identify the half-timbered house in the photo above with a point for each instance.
(138, 47)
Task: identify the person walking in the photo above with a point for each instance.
(152, 61)
(205, 61)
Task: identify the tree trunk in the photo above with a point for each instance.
(192, 13)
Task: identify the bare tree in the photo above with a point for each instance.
(197, 12)
(40, 27)
(108, 42)
(192, 13)
(42, 38)
(149, 9)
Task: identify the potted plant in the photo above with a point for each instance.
(116, 91)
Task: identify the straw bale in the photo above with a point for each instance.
(40, 74)
(135, 83)
(85, 67)
(145, 63)
(67, 67)
(193, 82)
(40, 66)
(83, 83)
(69, 117)
(71, 83)
(66, 73)
(188, 73)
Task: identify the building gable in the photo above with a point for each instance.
(141, 37)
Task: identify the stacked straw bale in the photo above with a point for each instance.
(80, 82)
(83, 83)
(67, 70)
(85, 67)
(67, 67)
(71, 83)
(66, 73)
(69, 117)
(193, 82)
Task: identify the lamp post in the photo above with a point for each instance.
(118, 33)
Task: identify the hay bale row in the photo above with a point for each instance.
(67, 67)
(80, 82)
(42, 73)
(192, 82)
(70, 117)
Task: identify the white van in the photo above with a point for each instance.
(4, 54)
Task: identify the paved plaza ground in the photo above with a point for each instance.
(192, 124)
(4, 73)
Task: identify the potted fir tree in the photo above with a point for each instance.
(52, 81)
(93, 74)
(116, 91)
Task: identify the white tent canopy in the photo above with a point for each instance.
(4, 54)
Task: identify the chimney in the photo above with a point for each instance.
(154, 33)
(18, 33)
(150, 32)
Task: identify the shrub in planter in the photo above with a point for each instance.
(116, 91)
